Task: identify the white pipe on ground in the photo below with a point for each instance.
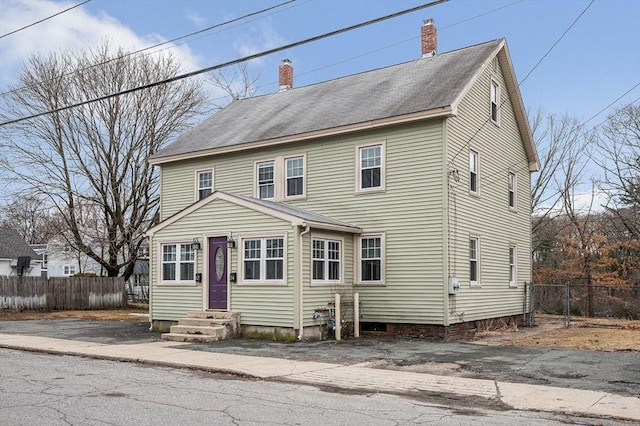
(356, 314)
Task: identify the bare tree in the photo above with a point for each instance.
(618, 143)
(235, 84)
(559, 140)
(94, 157)
(30, 215)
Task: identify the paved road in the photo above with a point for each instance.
(60, 390)
(615, 372)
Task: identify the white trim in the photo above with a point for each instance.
(197, 182)
(293, 220)
(326, 239)
(205, 268)
(358, 257)
(513, 280)
(513, 207)
(473, 150)
(285, 178)
(358, 167)
(256, 182)
(478, 281)
(446, 111)
(160, 258)
(496, 84)
(262, 237)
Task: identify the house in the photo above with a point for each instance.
(16, 257)
(409, 185)
(58, 259)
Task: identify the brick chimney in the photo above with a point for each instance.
(429, 38)
(285, 74)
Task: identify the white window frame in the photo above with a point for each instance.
(326, 261)
(474, 155)
(359, 258)
(494, 94)
(512, 183)
(476, 259)
(359, 168)
(69, 270)
(259, 164)
(263, 259)
(513, 265)
(177, 262)
(199, 188)
(280, 177)
(287, 177)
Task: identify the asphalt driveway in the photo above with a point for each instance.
(615, 372)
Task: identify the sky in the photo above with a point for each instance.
(590, 67)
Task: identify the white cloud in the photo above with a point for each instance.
(260, 37)
(195, 18)
(75, 29)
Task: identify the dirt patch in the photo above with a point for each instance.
(599, 334)
(136, 313)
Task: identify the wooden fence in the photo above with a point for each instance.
(81, 293)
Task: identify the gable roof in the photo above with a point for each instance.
(416, 90)
(286, 212)
(12, 245)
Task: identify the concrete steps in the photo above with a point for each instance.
(205, 327)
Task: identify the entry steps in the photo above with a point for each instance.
(204, 327)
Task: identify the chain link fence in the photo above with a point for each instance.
(582, 300)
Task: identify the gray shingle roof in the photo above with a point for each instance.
(290, 210)
(12, 245)
(421, 85)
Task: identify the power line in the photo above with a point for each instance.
(151, 47)
(575, 21)
(523, 80)
(233, 62)
(607, 107)
(42, 20)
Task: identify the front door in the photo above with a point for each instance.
(218, 273)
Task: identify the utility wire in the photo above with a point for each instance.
(151, 47)
(42, 20)
(233, 62)
(523, 80)
(607, 107)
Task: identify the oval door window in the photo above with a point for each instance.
(219, 263)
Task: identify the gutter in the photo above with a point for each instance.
(300, 273)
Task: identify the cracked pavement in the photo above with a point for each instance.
(63, 390)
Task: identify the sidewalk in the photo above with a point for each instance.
(354, 377)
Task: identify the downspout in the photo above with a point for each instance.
(150, 282)
(301, 274)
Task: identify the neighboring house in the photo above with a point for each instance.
(58, 259)
(16, 257)
(409, 185)
(42, 257)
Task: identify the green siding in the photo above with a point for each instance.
(318, 295)
(261, 304)
(411, 212)
(501, 150)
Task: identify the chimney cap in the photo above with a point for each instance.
(286, 61)
(428, 21)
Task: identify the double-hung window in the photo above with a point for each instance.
(178, 262)
(495, 102)
(371, 173)
(205, 183)
(474, 263)
(266, 180)
(263, 259)
(69, 269)
(473, 171)
(371, 259)
(512, 190)
(294, 177)
(326, 260)
(280, 178)
(512, 266)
